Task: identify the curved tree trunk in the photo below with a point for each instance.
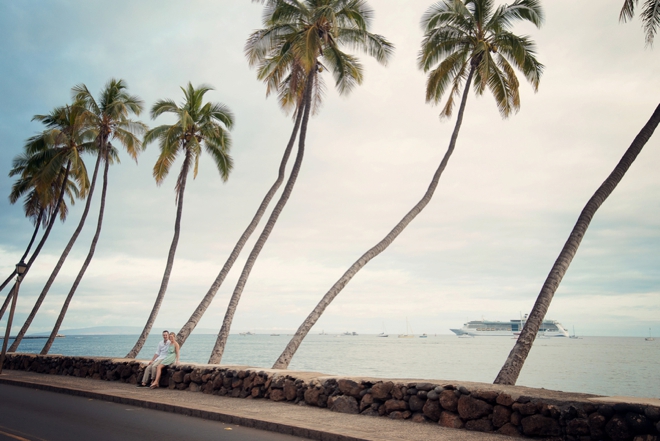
(63, 257)
(290, 350)
(90, 254)
(221, 341)
(514, 363)
(170, 262)
(41, 243)
(27, 250)
(196, 316)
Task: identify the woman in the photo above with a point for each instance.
(172, 358)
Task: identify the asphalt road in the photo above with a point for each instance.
(35, 415)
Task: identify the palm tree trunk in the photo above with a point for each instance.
(514, 363)
(288, 353)
(27, 250)
(221, 341)
(196, 316)
(63, 257)
(90, 254)
(170, 261)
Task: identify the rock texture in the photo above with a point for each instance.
(448, 405)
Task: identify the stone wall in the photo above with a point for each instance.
(509, 410)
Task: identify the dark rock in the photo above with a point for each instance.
(486, 395)
(652, 413)
(451, 420)
(425, 386)
(349, 387)
(194, 387)
(501, 415)
(432, 395)
(523, 399)
(597, 425)
(392, 405)
(471, 408)
(578, 427)
(256, 392)
(538, 425)
(504, 400)
(432, 410)
(415, 403)
(628, 407)
(526, 408)
(196, 376)
(381, 390)
(646, 438)
(509, 430)
(463, 390)
(448, 400)
(411, 391)
(422, 394)
(276, 395)
(606, 410)
(398, 392)
(419, 418)
(278, 382)
(344, 404)
(290, 390)
(639, 424)
(617, 429)
(482, 425)
(398, 415)
(235, 393)
(312, 395)
(366, 401)
(370, 412)
(236, 383)
(258, 380)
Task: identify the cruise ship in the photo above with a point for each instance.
(479, 328)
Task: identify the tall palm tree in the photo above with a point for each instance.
(300, 39)
(464, 40)
(109, 120)
(44, 177)
(650, 16)
(197, 124)
(516, 359)
(54, 155)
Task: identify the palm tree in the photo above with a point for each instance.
(516, 359)
(650, 16)
(51, 158)
(41, 184)
(197, 124)
(463, 40)
(109, 120)
(300, 39)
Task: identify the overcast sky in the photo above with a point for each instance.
(483, 246)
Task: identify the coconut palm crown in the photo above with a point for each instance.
(300, 35)
(461, 35)
(197, 123)
(650, 16)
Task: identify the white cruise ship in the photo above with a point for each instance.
(480, 328)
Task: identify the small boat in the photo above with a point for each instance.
(322, 332)
(274, 335)
(246, 333)
(382, 334)
(423, 336)
(573, 336)
(409, 331)
(350, 333)
(649, 338)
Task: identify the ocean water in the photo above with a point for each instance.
(599, 365)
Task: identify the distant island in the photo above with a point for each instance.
(114, 330)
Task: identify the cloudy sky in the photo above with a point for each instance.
(484, 245)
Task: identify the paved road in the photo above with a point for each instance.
(35, 415)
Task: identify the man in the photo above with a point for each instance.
(161, 353)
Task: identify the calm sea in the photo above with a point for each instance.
(598, 365)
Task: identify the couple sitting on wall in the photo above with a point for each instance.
(166, 354)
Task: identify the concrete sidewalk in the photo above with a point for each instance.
(303, 421)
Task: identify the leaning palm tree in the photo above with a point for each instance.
(650, 16)
(464, 40)
(109, 120)
(58, 148)
(300, 39)
(197, 124)
(45, 176)
(516, 359)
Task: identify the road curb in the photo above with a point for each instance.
(254, 423)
